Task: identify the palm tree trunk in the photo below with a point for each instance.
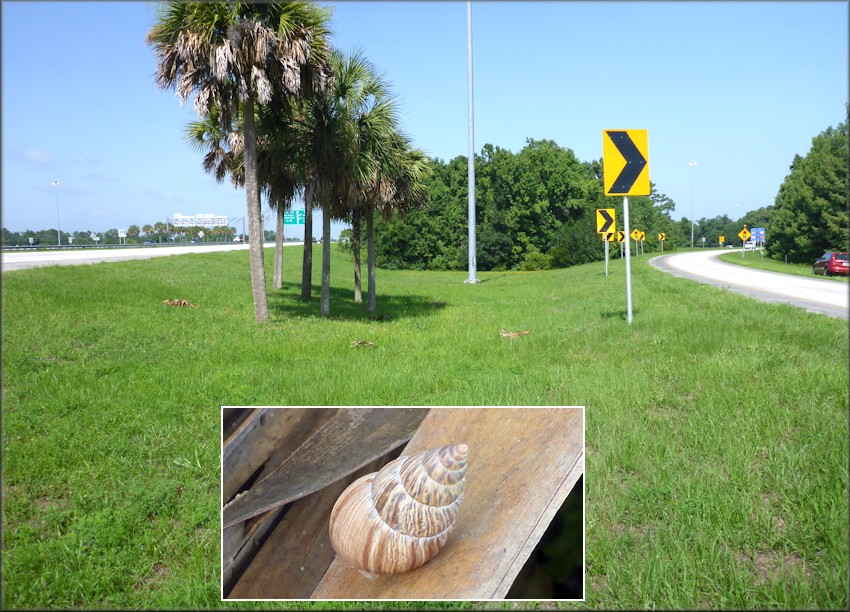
(255, 218)
(355, 244)
(325, 306)
(278, 249)
(307, 263)
(370, 260)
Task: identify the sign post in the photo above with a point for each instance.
(621, 236)
(625, 169)
(606, 255)
(661, 238)
(744, 235)
(635, 235)
(605, 225)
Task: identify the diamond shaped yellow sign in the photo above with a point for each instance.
(625, 162)
(744, 234)
(635, 234)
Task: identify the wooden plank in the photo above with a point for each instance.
(240, 543)
(260, 434)
(523, 462)
(350, 440)
(263, 440)
(231, 418)
(298, 552)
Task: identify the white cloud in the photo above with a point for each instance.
(35, 156)
(100, 178)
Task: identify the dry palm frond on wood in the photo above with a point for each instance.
(179, 303)
(362, 344)
(512, 334)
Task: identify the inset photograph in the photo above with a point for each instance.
(403, 503)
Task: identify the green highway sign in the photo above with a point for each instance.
(294, 217)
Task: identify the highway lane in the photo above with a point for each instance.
(814, 294)
(21, 260)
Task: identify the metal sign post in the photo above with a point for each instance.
(625, 167)
(628, 261)
(744, 235)
(606, 258)
(605, 220)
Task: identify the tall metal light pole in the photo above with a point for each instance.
(471, 160)
(58, 234)
(692, 164)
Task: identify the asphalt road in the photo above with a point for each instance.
(814, 294)
(20, 260)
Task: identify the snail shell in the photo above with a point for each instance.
(398, 518)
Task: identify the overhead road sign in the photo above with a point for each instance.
(294, 217)
(605, 220)
(625, 162)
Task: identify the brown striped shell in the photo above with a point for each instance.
(398, 518)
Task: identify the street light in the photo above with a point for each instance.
(692, 164)
(58, 234)
(471, 159)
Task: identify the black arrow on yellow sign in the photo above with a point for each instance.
(635, 161)
(607, 220)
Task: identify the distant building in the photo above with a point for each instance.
(202, 220)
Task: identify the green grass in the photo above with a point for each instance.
(755, 259)
(716, 425)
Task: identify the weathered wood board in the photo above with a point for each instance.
(261, 440)
(262, 433)
(345, 443)
(298, 551)
(523, 463)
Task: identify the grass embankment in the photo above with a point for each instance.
(755, 259)
(716, 425)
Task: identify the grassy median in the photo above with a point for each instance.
(716, 424)
(760, 261)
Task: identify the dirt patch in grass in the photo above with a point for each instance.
(159, 573)
(770, 565)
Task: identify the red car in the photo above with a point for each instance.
(831, 263)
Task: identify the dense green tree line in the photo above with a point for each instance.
(535, 209)
(810, 212)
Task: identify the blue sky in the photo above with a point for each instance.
(739, 87)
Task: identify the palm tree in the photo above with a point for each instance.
(159, 228)
(399, 185)
(377, 130)
(256, 54)
(147, 230)
(278, 160)
(343, 154)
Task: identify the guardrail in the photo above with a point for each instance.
(75, 247)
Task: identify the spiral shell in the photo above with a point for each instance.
(398, 518)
